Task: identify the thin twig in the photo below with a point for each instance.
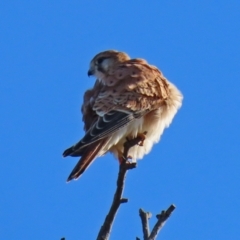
(105, 230)
(117, 201)
(145, 225)
(162, 218)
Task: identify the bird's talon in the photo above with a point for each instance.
(142, 137)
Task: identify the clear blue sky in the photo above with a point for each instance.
(45, 50)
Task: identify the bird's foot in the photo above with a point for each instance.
(139, 140)
(142, 137)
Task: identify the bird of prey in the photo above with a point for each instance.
(130, 98)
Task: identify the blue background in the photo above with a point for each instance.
(45, 49)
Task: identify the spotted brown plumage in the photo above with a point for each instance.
(130, 97)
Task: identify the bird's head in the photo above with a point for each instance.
(104, 61)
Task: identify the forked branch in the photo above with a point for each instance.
(162, 218)
(105, 230)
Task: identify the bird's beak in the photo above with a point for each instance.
(90, 72)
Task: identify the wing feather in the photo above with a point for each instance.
(103, 129)
(128, 92)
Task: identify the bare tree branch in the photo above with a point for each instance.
(117, 200)
(162, 218)
(105, 230)
(145, 226)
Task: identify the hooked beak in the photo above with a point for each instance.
(90, 72)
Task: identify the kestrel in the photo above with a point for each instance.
(129, 98)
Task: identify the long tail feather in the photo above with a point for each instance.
(74, 153)
(87, 158)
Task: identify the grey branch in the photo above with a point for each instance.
(145, 226)
(105, 230)
(162, 218)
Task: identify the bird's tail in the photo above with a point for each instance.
(73, 153)
(88, 156)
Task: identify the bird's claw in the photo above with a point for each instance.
(142, 137)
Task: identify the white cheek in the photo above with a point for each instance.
(105, 64)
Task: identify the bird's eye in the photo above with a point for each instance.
(100, 60)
